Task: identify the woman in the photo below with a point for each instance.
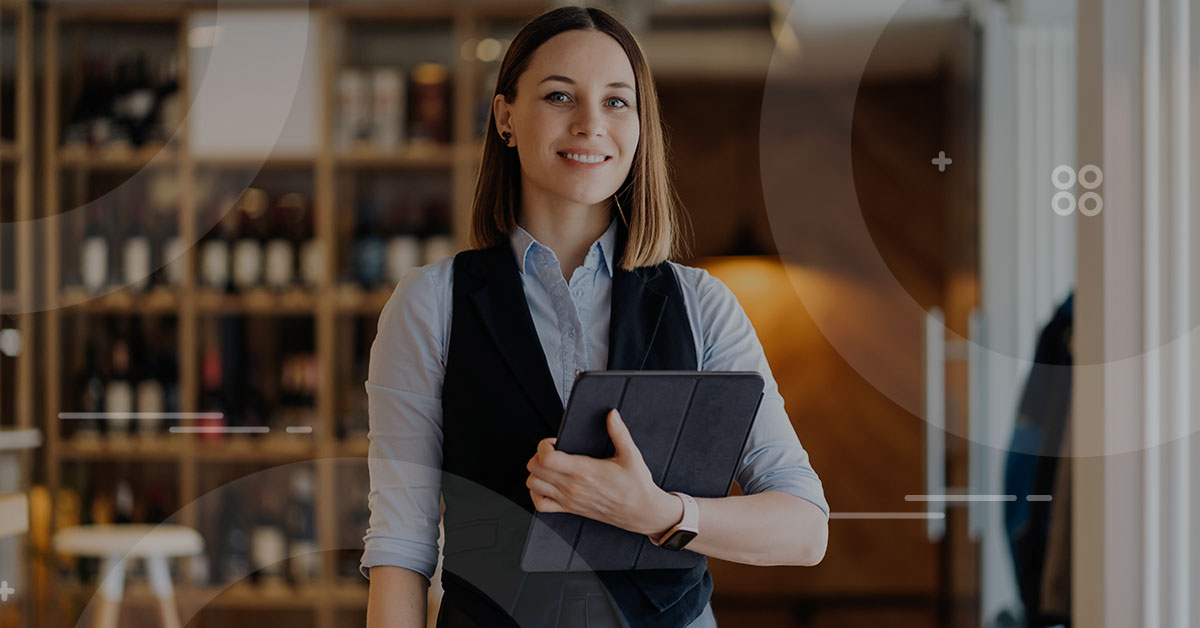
(573, 225)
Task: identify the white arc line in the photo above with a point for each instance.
(141, 415)
(212, 429)
(887, 515)
(960, 498)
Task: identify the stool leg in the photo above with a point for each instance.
(112, 588)
(160, 584)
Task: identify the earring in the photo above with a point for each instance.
(506, 135)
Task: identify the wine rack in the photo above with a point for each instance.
(277, 351)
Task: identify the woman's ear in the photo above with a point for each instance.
(503, 114)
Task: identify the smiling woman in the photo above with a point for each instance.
(573, 227)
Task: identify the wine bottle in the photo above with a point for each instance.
(438, 243)
(168, 115)
(214, 246)
(312, 253)
(78, 130)
(368, 247)
(151, 399)
(232, 555)
(387, 109)
(123, 502)
(212, 399)
(302, 529)
(118, 393)
(92, 402)
(102, 125)
(136, 251)
(404, 245)
(139, 102)
(352, 108)
(248, 250)
(281, 249)
(93, 259)
(171, 264)
(268, 542)
(431, 104)
(119, 137)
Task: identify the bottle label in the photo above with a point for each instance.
(94, 263)
(137, 262)
(214, 264)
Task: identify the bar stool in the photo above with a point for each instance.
(119, 542)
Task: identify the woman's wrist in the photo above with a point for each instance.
(666, 512)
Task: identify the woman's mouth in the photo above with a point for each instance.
(577, 160)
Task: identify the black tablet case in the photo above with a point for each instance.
(690, 427)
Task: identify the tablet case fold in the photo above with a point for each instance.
(690, 427)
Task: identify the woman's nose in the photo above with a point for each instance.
(587, 122)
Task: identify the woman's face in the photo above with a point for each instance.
(576, 101)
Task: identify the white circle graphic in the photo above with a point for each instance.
(1063, 185)
(1056, 204)
(1083, 203)
(1091, 169)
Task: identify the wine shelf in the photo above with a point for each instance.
(9, 152)
(127, 158)
(338, 316)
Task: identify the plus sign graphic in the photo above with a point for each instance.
(941, 161)
(5, 591)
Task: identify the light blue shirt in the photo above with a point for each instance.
(408, 360)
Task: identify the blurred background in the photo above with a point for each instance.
(204, 206)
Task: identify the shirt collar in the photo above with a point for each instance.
(523, 242)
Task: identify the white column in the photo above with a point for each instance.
(1134, 562)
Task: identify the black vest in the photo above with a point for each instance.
(498, 401)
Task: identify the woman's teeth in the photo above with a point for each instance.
(587, 159)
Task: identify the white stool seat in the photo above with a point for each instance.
(116, 543)
(129, 540)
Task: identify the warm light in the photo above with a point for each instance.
(488, 50)
(204, 36)
(468, 49)
(10, 342)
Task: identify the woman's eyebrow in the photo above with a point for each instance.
(570, 81)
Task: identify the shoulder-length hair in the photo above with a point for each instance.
(648, 203)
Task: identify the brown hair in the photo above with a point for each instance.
(647, 201)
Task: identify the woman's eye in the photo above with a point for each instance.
(618, 100)
(551, 97)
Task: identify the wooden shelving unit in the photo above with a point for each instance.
(332, 307)
(17, 155)
(17, 299)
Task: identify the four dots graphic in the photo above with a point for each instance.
(1090, 203)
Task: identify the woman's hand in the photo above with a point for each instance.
(618, 491)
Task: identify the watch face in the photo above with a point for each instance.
(678, 540)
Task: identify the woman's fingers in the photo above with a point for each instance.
(542, 487)
(545, 504)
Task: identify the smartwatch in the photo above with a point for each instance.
(684, 531)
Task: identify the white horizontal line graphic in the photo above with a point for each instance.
(214, 429)
(141, 415)
(960, 498)
(887, 515)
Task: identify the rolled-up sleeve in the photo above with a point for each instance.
(773, 458)
(404, 389)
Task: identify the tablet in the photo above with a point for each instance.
(690, 427)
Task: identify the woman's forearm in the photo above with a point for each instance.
(398, 598)
(768, 528)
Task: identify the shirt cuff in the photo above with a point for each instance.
(378, 557)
